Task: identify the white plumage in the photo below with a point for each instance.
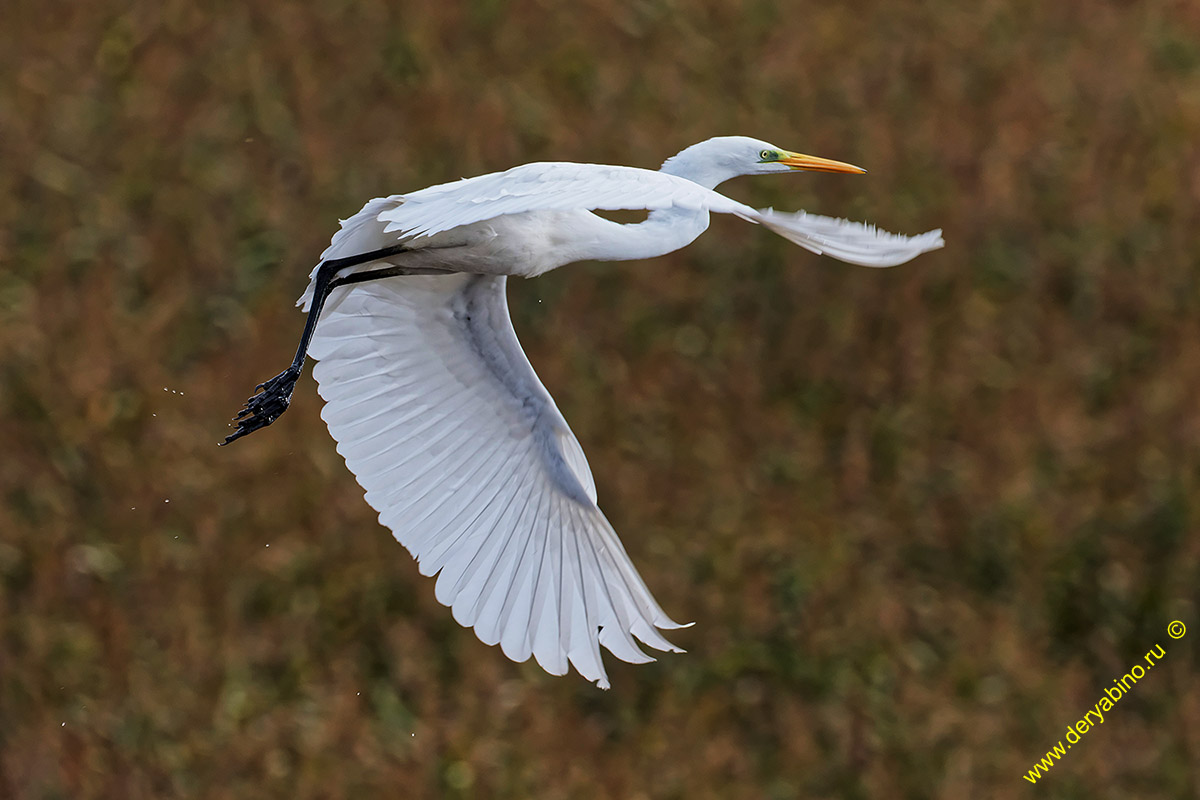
(468, 461)
(442, 419)
(549, 186)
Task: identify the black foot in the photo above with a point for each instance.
(266, 405)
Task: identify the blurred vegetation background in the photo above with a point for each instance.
(922, 517)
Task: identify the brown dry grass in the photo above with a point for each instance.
(921, 516)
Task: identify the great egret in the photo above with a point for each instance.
(440, 416)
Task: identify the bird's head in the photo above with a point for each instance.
(712, 162)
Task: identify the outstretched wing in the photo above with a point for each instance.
(848, 241)
(545, 186)
(468, 461)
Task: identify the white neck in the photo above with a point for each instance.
(709, 164)
(704, 163)
(663, 232)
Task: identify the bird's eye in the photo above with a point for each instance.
(766, 155)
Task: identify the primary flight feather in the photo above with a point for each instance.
(443, 421)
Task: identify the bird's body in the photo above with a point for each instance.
(442, 419)
(464, 226)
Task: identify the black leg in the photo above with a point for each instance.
(271, 398)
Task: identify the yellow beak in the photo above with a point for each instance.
(817, 164)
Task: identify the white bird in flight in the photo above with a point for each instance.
(440, 416)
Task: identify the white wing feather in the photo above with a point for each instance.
(468, 461)
(852, 242)
(546, 186)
